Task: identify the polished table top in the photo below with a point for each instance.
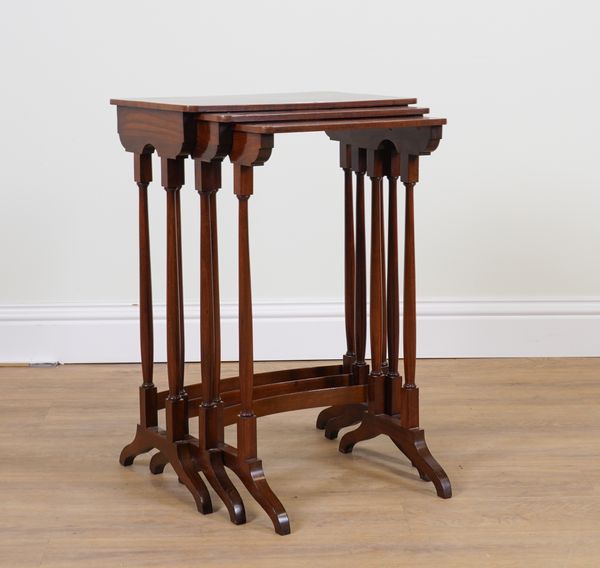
(272, 101)
(282, 112)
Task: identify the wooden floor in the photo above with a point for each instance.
(520, 440)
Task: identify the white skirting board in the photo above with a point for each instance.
(70, 333)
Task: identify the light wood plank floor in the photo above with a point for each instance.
(520, 440)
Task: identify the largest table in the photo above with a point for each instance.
(381, 137)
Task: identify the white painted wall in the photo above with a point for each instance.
(507, 207)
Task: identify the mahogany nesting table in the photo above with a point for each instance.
(381, 137)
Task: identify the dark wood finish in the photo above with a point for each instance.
(410, 393)
(264, 102)
(360, 369)
(142, 164)
(349, 258)
(342, 124)
(172, 180)
(406, 141)
(333, 419)
(211, 433)
(270, 116)
(181, 456)
(379, 137)
(286, 387)
(384, 323)
(245, 462)
(233, 383)
(232, 396)
(249, 149)
(348, 415)
(213, 142)
(141, 130)
(244, 191)
(394, 381)
(209, 328)
(376, 376)
(410, 441)
(302, 399)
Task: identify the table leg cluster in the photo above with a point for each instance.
(393, 407)
(374, 397)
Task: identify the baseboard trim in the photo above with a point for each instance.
(101, 333)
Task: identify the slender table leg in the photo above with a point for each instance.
(376, 404)
(175, 445)
(177, 426)
(394, 381)
(210, 414)
(349, 272)
(384, 325)
(360, 368)
(148, 409)
(352, 414)
(409, 413)
(172, 172)
(334, 418)
(209, 326)
(410, 439)
(148, 405)
(245, 461)
(376, 377)
(392, 408)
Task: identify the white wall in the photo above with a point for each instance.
(507, 207)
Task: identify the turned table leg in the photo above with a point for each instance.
(177, 424)
(409, 400)
(387, 400)
(376, 376)
(245, 462)
(148, 409)
(349, 272)
(174, 444)
(172, 173)
(148, 405)
(334, 418)
(210, 356)
(410, 439)
(394, 381)
(210, 414)
(360, 369)
(384, 323)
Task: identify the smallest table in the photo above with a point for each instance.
(381, 137)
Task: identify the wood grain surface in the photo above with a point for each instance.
(270, 101)
(274, 116)
(338, 124)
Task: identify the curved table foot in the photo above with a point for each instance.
(352, 414)
(422, 475)
(138, 446)
(185, 470)
(411, 443)
(253, 477)
(327, 414)
(365, 431)
(158, 463)
(213, 469)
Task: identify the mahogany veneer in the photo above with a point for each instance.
(381, 137)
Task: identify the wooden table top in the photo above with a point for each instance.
(266, 102)
(329, 125)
